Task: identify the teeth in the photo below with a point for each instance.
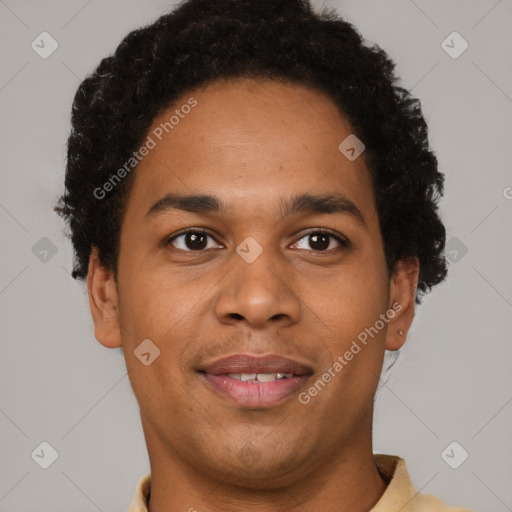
(260, 377)
(266, 377)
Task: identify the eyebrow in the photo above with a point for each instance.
(299, 204)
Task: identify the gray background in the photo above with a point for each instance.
(452, 380)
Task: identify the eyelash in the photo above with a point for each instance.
(344, 242)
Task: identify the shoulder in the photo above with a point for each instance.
(400, 494)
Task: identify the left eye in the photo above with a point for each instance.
(191, 241)
(321, 241)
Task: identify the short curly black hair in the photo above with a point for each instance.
(201, 41)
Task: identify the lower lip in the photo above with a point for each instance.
(256, 395)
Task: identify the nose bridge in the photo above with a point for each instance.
(257, 289)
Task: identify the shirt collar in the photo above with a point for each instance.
(398, 496)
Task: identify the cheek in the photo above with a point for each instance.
(169, 315)
(151, 311)
(351, 332)
(353, 344)
(147, 310)
(350, 299)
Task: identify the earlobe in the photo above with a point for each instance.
(103, 301)
(403, 286)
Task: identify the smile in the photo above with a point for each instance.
(256, 390)
(254, 381)
(259, 377)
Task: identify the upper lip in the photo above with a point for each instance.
(248, 363)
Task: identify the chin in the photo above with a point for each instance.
(258, 478)
(249, 469)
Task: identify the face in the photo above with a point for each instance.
(283, 268)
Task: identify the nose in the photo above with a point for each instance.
(258, 293)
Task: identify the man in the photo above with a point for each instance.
(253, 203)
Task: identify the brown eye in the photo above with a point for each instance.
(191, 240)
(319, 241)
(322, 241)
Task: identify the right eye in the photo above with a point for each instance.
(190, 240)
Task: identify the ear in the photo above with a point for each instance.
(103, 302)
(402, 293)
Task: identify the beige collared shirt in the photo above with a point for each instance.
(399, 496)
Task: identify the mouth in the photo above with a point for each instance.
(260, 377)
(256, 382)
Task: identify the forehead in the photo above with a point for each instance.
(250, 141)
